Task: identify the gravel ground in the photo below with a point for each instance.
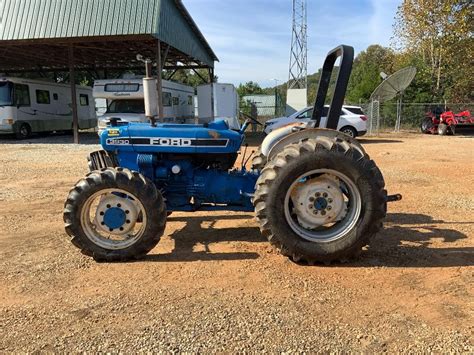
(214, 284)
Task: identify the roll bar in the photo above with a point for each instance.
(347, 54)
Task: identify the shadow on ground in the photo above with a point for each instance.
(406, 241)
(378, 140)
(194, 234)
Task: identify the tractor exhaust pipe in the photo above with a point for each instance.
(149, 92)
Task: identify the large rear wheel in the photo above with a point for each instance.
(259, 160)
(320, 200)
(115, 215)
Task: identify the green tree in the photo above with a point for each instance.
(188, 76)
(366, 72)
(249, 88)
(439, 32)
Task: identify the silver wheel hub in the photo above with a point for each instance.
(318, 202)
(126, 210)
(113, 219)
(322, 205)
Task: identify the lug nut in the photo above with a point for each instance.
(127, 212)
(311, 207)
(102, 213)
(128, 221)
(318, 194)
(325, 195)
(121, 229)
(311, 199)
(330, 200)
(315, 212)
(108, 206)
(323, 213)
(119, 205)
(111, 229)
(329, 208)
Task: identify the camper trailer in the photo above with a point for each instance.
(218, 101)
(125, 100)
(30, 106)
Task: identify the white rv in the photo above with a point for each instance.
(125, 100)
(29, 106)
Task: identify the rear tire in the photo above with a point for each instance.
(87, 234)
(24, 131)
(259, 160)
(286, 169)
(350, 131)
(442, 129)
(451, 130)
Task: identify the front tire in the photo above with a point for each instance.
(317, 175)
(101, 215)
(426, 125)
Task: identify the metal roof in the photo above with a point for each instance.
(57, 21)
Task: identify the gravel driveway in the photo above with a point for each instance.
(214, 284)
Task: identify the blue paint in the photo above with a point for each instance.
(153, 151)
(114, 217)
(321, 203)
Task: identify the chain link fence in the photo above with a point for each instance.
(383, 116)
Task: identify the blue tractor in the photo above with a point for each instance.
(316, 194)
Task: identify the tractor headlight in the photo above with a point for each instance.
(102, 124)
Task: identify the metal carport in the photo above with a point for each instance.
(77, 35)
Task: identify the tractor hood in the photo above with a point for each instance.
(215, 137)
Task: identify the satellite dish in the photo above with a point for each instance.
(394, 85)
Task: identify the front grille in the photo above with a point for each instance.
(101, 159)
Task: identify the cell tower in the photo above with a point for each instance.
(298, 75)
(299, 47)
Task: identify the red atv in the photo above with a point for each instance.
(446, 122)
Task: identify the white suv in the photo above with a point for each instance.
(352, 122)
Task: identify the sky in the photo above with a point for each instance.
(252, 38)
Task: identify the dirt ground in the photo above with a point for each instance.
(214, 284)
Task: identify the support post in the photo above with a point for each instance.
(72, 80)
(159, 84)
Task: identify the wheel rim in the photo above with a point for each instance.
(24, 131)
(349, 132)
(113, 219)
(322, 205)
